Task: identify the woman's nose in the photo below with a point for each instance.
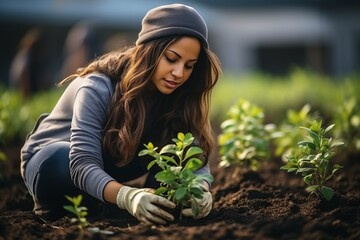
(178, 71)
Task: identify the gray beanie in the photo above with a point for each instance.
(173, 19)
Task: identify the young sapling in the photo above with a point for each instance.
(244, 140)
(312, 158)
(79, 211)
(178, 163)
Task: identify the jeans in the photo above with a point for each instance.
(47, 177)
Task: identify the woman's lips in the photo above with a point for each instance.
(171, 84)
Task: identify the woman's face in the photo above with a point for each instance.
(176, 64)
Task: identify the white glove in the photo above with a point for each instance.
(144, 205)
(205, 205)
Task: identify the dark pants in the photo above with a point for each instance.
(47, 177)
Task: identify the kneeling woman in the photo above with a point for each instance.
(146, 92)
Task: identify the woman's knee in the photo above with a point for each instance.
(53, 180)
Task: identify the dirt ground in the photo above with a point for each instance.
(270, 204)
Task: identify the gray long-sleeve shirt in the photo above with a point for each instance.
(79, 118)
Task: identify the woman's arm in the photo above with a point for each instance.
(89, 116)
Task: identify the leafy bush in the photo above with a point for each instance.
(347, 125)
(289, 133)
(244, 140)
(312, 159)
(178, 163)
(17, 117)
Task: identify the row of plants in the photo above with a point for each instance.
(275, 94)
(245, 140)
(305, 145)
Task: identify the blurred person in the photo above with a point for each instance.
(80, 47)
(30, 71)
(149, 91)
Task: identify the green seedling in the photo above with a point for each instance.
(178, 163)
(289, 133)
(244, 140)
(312, 158)
(79, 211)
(347, 128)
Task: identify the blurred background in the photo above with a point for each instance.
(248, 35)
(276, 53)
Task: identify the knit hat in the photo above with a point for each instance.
(173, 19)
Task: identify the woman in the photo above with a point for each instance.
(147, 92)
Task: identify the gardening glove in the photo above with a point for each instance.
(205, 205)
(143, 204)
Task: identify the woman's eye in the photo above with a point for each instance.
(189, 66)
(170, 60)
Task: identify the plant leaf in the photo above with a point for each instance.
(327, 193)
(151, 164)
(180, 193)
(312, 188)
(193, 151)
(70, 208)
(193, 164)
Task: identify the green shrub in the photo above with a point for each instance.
(347, 125)
(178, 163)
(289, 133)
(18, 117)
(312, 159)
(244, 139)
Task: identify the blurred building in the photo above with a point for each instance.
(248, 35)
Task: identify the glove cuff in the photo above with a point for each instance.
(121, 196)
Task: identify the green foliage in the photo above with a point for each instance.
(289, 133)
(12, 118)
(347, 125)
(312, 158)
(18, 117)
(2, 156)
(244, 140)
(178, 163)
(79, 211)
(277, 94)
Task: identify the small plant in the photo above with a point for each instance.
(79, 211)
(178, 163)
(244, 140)
(347, 128)
(312, 159)
(289, 134)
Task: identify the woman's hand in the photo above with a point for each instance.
(144, 205)
(205, 205)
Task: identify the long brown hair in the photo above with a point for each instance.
(131, 70)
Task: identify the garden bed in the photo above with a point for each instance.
(270, 204)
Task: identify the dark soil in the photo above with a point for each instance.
(270, 204)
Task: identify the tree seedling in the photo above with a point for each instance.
(347, 128)
(312, 158)
(244, 140)
(289, 133)
(79, 211)
(178, 163)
